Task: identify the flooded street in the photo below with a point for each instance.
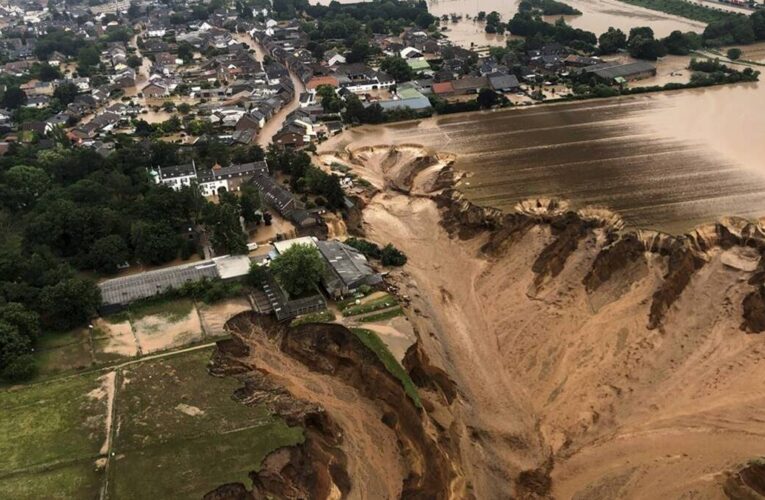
(665, 161)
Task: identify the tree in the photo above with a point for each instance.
(398, 68)
(26, 322)
(360, 51)
(154, 243)
(642, 32)
(12, 345)
(330, 101)
(644, 48)
(66, 93)
(69, 303)
(22, 185)
(184, 108)
(21, 368)
(612, 40)
(185, 52)
(758, 24)
(487, 98)
(108, 253)
(391, 256)
(227, 234)
(298, 269)
(258, 274)
(493, 23)
(134, 61)
(734, 53)
(87, 57)
(13, 98)
(679, 43)
(250, 203)
(48, 73)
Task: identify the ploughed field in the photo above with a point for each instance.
(667, 162)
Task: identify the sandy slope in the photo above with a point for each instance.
(552, 377)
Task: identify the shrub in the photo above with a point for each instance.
(391, 256)
(21, 368)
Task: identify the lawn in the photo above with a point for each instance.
(76, 480)
(189, 468)
(383, 302)
(178, 433)
(61, 352)
(373, 342)
(48, 424)
(383, 316)
(180, 426)
(317, 317)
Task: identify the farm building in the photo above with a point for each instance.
(117, 293)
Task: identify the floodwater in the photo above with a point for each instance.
(666, 161)
(597, 16)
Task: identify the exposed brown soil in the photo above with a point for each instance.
(365, 438)
(585, 361)
(557, 355)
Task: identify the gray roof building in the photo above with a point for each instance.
(275, 195)
(117, 293)
(629, 71)
(347, 268)
(503, 82)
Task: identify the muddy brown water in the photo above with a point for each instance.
(666, 161)
(597, 16)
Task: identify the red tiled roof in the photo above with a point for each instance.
(443, 88)
(322, 80)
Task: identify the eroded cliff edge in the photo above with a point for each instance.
(607, 360)
(560, 355)
(364, 437)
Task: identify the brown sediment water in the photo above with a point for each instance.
(666, 161)
(597, 15)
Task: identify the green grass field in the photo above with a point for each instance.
(373, 305)
(382, 316)
(178, 433)
(317, 317)
(50, 437)
(189, 468)
(373, 342)
(77, 480)
(62, 352)
(181, 426)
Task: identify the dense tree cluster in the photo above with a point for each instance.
(65, 211)
(530, 25)
(306, 178)
(388, 255)
(548, 8)
(398, 68)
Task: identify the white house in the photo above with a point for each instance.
(333, 57)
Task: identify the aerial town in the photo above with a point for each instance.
(381, 249)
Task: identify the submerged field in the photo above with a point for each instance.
(667, 161)
(161, 428)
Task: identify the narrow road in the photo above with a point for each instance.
(273, 125)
